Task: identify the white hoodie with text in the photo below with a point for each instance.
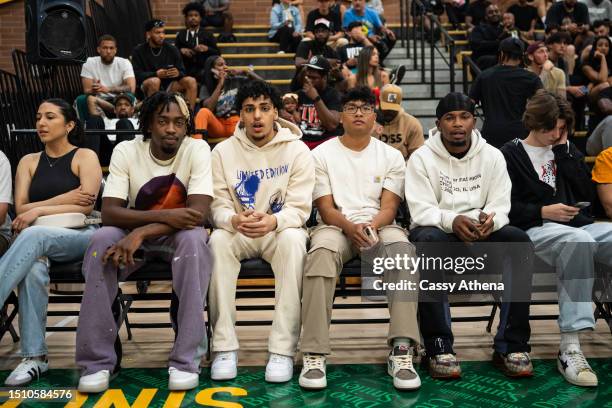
(277, 178)
(440, 187)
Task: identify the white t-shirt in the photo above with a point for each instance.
(356, 179)
(111, 75)
(111, 124)
(151, 184)
(6, 192)
(543, 160)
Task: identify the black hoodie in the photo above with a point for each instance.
(530, 194)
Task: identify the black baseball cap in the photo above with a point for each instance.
(512, 46)
(319, 62)
(155, 23)
(454, 101)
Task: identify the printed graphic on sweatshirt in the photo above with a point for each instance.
(249, 182)
(548, 173)
(459, 184)
(161, 193)
(310, 123)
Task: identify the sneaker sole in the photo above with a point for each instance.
(574, 382)
(405, 385)
(21, 384)
(224, 377)
(278, 378)
(309, 384)
(183, 386)
(98, 389)
(521, 374)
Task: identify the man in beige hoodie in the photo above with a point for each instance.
(399, 129)
(263, 180)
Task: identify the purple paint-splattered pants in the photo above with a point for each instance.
(191, 262)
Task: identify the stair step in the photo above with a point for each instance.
(271, 71)
(240, 37)
(259, 59)
(248, 48)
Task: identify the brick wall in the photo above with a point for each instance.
(12, 24)
(12, 32)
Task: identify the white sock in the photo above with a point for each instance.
(569, 340)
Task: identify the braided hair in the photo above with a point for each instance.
(159, 102)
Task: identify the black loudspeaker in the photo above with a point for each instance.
(55, 31)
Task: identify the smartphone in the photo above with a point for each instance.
(584, 89)
(371, 234)
(582, 204)
(169, 66)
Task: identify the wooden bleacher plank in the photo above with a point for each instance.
(580, 133)
(267, 55)
(266, 67)
(590, 159)
(247, 44)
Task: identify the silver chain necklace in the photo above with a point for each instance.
(57, 160)
(158, 53)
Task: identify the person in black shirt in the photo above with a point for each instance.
(485, 38)
(318, 46)
(195, 43)
(357, 40)
(525, 17)
(336, 38)
(475, 13)
(503, 91)
(159, 66)
(577, 12)
(318, 104)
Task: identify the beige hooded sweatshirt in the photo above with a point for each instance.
(277, 178)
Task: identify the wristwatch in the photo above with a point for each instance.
(317, 99)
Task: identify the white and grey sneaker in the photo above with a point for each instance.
(224, 366)
(399, 366)
(279, 368)
(313, 375)
(575, 368)
(182, 380)
(28, 370)
(94, 383)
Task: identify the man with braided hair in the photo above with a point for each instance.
(155, 201)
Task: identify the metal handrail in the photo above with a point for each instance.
(435, 22)
(468, 63)
(419, 13)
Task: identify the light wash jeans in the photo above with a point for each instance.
(22, 267)
(573, 252)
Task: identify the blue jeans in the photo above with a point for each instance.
(22, 268)
(573, 252)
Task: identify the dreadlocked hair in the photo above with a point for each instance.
(159, 102)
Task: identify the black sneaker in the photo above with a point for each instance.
(397, 75)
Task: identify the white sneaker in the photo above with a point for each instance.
(575, 369)
(313, 375)
(224, 366)
(94, 383)
(182, 380)
(279, 368)
(281, 52)
(399, 366)
(28, 370)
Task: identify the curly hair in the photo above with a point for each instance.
(255, 89)
(193, 6)
(159, 102)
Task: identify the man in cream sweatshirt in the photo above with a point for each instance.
(458, 190)
(263, 180)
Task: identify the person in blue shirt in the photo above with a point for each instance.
(383, 38)
(285, 26)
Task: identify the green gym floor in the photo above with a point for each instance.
(358, 386)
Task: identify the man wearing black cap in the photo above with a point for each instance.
(458, 190)
(357, 40)
(317, 46)
(319, 104)
(503, 91)
(158, 65)
(123, 108)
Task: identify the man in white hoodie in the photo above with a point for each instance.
(458, 190)
(359, 186)
(263, 180)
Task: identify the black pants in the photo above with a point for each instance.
(434, 313)
(284, 36)
(99, 143)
